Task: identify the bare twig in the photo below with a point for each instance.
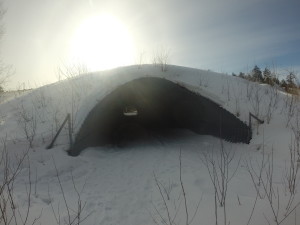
(10, 168)
(75, 216)
(171, 217)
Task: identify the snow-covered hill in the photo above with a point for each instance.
(118, 185)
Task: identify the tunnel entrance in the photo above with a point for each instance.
(149, 106)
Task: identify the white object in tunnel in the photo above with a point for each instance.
(130, 111)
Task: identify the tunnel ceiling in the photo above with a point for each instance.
(156, 103)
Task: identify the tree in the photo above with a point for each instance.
(267, 76)
(5, 70)
(291, 80)
(276, 80)
(257, 74)
(242, 75)
(283, 84)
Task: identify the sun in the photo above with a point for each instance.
(102, 42)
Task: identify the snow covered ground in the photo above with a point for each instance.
(140, 183)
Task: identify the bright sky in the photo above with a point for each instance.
(224, 36)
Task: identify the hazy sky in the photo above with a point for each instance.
(221, 35)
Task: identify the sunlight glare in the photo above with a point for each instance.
(102, 42)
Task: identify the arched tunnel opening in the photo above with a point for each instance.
(153, 106)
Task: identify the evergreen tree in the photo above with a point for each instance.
(276, 80)
(267, 76)
(283, 84)
(242, 75)
(291, 80)
(257, 74)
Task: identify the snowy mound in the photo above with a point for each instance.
(49, 105)
(144, 183)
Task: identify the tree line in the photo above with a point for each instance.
(289, 84)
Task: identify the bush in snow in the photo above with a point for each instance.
(10, 168)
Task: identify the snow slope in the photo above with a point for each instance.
(117, 186)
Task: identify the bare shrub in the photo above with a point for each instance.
(40, 99)
(237, 99)
(228, 88)
(75, 213)
(289, 107)
(262, 176)
(271, 102)
(249, 89)
(256, 169)
(11, 167)
(6, 71)
(219, 168)
(291, 177)
(202, 81)
(70, 73)
(169, 217)
(166, 187)
(28, 122)
(57, 119)
(296, 131)
(140, 59)
(256, 100)
(161, 57)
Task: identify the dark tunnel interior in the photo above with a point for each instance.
(153, 106)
